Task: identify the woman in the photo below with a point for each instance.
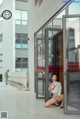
(55, 89)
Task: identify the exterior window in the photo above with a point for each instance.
(21, 17)
(21, 40)
(21, 64)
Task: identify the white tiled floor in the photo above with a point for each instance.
(5, 88)
(23, 105)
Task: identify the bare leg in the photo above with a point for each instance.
(59, 99)
(50, 102)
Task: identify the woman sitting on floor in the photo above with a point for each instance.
(55, 88)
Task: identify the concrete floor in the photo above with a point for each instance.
(23, 105)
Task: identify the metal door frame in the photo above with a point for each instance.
(36, 73)
(64, 62)
(47, 60)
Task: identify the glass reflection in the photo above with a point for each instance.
(73, 63)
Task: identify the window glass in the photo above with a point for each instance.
(57, 22)
(24, 22)
(39, 37)
(21, 40)
(24, 46)
(74, 8)
(24, 36)
(61, 14)
(49, 25)
(18, 35)
(18, 69)
(18, 14)
(18, 22)
(18, 45)
(21, 17)
(24, 15)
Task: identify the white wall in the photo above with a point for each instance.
(22, 5)
(37, 17)
(8, 30)
(21, 53)
(21, 29)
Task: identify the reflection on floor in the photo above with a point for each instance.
(23, 105)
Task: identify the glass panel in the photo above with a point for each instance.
(51, 34)
(73, 63)
(24, 46)
(55, 57)
(24, 65)
(24, 36)
(18, 65)
(39, 37)
(18, 35)
(49, 25)
(18, 41)
(24, 15)
(18, 45)
(24, 59)
(40, 51)
(18, 22)
(57, 22)
(24, 22)
(18, 69)
(74, 8)
(24, 41)
(41, 69)
(18, 14)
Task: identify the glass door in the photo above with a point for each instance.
(71, 38)
(39, 61)
(53, 57)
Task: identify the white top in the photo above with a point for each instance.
(57, 88)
